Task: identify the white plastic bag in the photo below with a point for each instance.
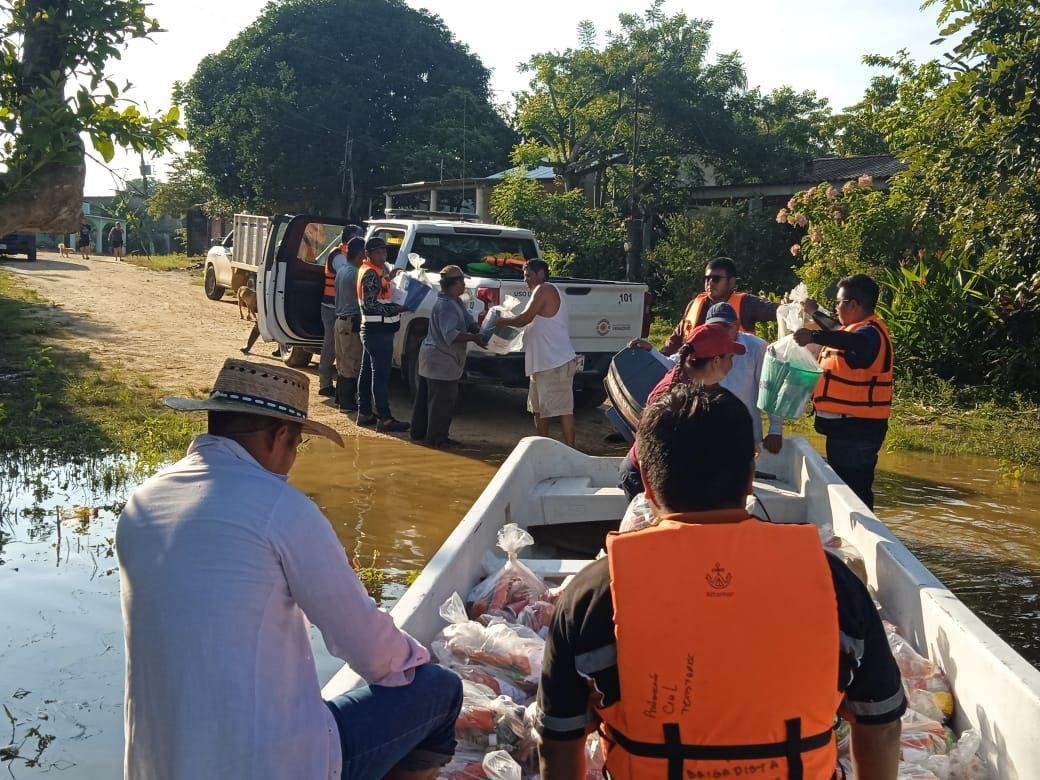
(512, 587)
(499, 765)
(790, 316)
(962, 762)
(639, 514)
(490, 722)
(499, 646)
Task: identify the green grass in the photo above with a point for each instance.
(55, 397)
(932, 415)
(163, 262)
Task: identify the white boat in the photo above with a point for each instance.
(545, 487)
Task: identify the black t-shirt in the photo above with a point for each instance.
(581, 652)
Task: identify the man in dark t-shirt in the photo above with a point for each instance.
(707, 486)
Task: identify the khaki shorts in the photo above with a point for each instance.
(552, 391)
(348, 350)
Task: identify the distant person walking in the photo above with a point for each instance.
(86, 235)
(380, 320)
(853, 399)
(115, 238)
(442, 360)
(549, 357)
(349, 350)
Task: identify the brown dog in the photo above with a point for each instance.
(246, 300)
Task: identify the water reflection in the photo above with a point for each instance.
(978, 532)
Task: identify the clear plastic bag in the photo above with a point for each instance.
(849, 555)
(595, 758)
(920, 674)
(962, 762)
(490, 722)
(498, 646)
(536, 616)
(486, 676)
(512, 587)
(789, 375)
(921, 737)
(640, 514)
(499, 765)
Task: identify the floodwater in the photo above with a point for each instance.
(61, 646)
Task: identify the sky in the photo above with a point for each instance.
(808, 44)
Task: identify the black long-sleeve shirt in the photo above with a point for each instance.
(860, 348)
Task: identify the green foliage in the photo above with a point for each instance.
(858, 130)
(270, 114)
(576, 239)
(757, 244)
(188, 186)
(45, 45)
(856, 229)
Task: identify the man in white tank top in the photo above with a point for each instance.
(549, 358)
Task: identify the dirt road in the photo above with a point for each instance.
(161, 326)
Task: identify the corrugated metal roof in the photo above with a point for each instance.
(541, 173)
(878, 166)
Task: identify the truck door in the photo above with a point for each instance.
(290, 283)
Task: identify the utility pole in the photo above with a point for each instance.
(634, 223)
(346, 193)
(145, 170)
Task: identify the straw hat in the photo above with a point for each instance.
(256, 388)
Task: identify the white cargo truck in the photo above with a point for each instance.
(604, 315)
(232, 261)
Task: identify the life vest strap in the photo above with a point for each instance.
(857, 382)
(676, 752)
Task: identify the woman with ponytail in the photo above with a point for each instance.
(705, 358)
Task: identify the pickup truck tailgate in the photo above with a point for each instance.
(604, 316)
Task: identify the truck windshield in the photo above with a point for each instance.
(500, 257)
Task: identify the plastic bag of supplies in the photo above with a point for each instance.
(512, 587)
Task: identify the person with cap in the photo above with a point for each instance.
(853, 399)
(720, 286)
(744, 378)
(442, 360)
(348, 327)
(223, 567)
(706, 358)
(549, 359)
(713, 644)
(380, 320)
(334, 261)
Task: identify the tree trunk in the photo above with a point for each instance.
(50, 199)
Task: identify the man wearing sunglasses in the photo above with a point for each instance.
(853, 399)
(720, 286)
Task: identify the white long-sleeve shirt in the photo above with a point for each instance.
(744, 377)
(221, 564)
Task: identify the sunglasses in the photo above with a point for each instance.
(714, 277)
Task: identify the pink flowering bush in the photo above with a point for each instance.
(855, 229)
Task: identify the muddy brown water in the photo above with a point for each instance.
(61, 646)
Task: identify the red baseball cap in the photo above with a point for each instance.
(708, 341)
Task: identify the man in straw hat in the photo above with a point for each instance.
(223, 565)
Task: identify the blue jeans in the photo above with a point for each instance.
(375, 371)
(411, 727)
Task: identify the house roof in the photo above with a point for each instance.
(542, 172)
(878, 166)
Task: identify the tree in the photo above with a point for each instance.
(647, 113)
(188, 186)
(857, 130)
(46, 48)
(302, 111)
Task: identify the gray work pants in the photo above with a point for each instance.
(433, 410)
(326, 366)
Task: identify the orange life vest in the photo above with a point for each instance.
(697, 310)
(857, 392)
(328, 295)
(386, 294)
(726, 668)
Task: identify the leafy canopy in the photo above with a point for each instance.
(312, 84)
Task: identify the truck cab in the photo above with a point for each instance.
(604, 315)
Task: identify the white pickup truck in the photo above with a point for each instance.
(232, 261)
(604, 315)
